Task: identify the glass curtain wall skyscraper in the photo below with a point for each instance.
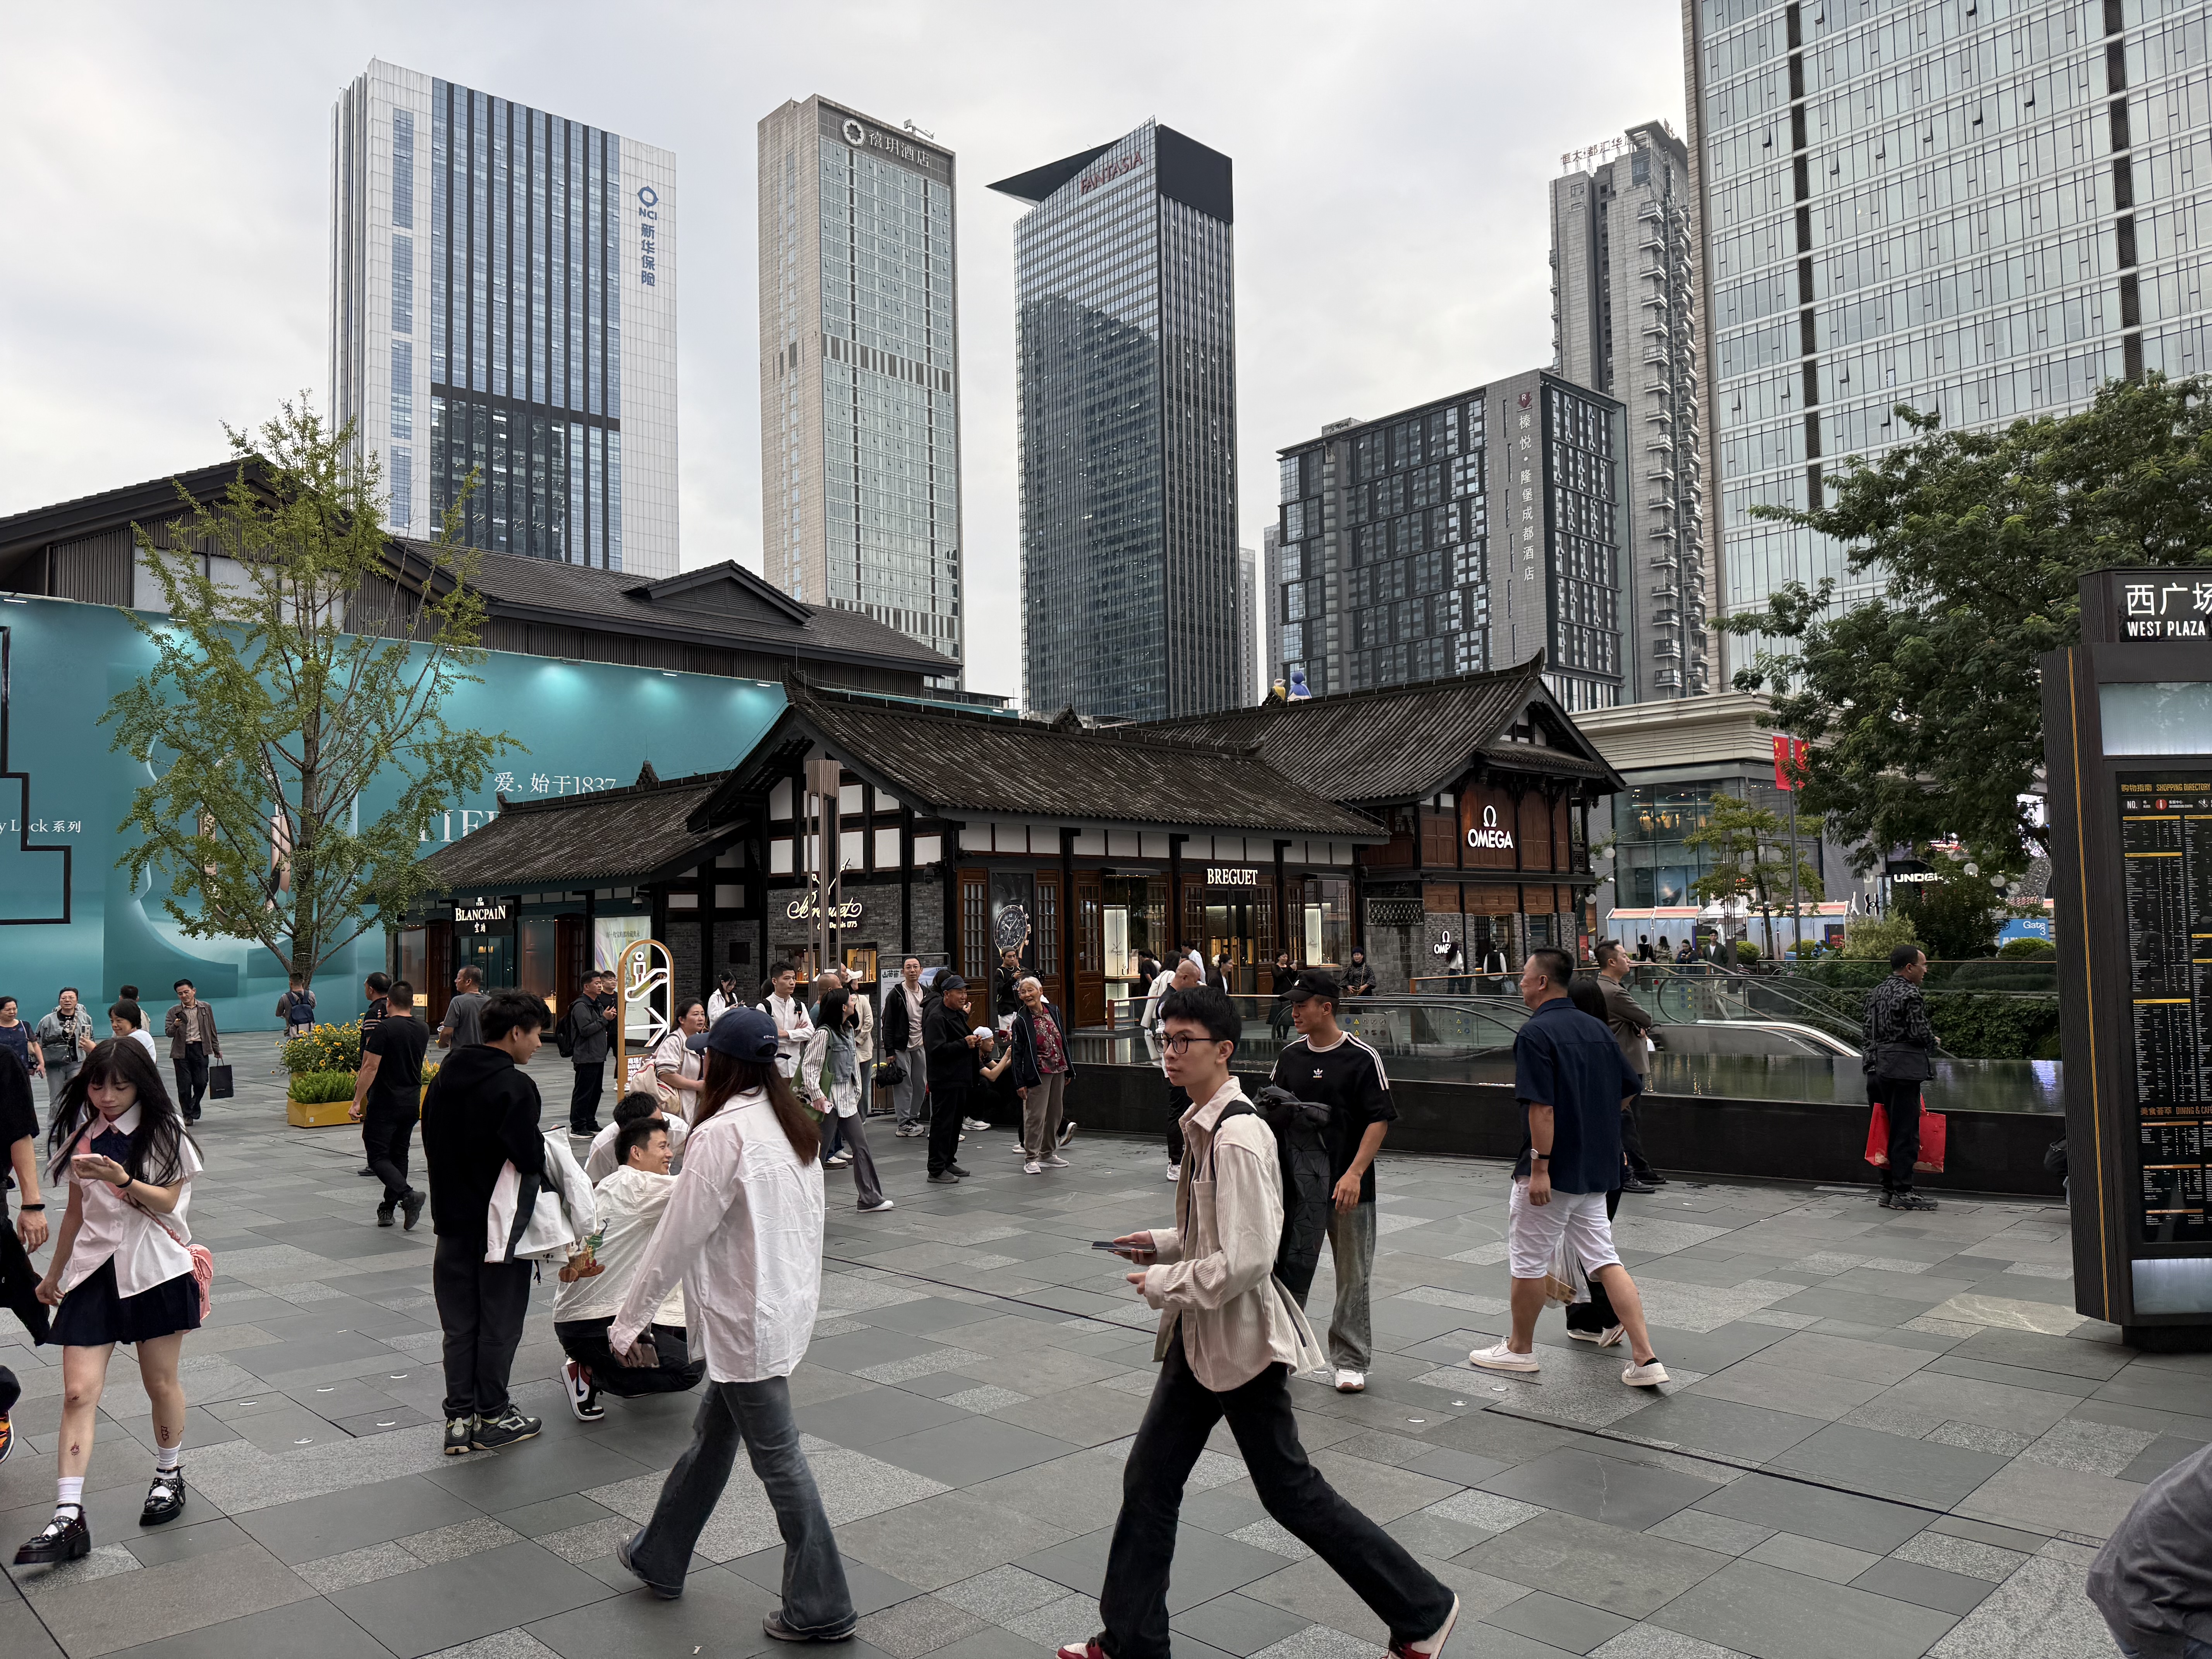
(1985, 208)
(860, 371)
(1126, 382)
(503, 304)
(1623, 322)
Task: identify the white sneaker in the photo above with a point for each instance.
(1054, 1161)
(1609, 1337)
(1648, 1375)
(1067, 1132)
(1032, 1167)
(973, 1123)
(1499, 1358)
(1175, 1172)
(871, 1209)
(1350, 1382)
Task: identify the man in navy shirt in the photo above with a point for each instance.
(1572, 1082)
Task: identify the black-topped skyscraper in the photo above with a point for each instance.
(1128, 387)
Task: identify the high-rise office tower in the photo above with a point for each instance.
(1983, 211)
(1127, 378)
(1271, 604)
(1465, 534)
(1248, 626)
(503, 304)
(1624, 316)
(860, 371)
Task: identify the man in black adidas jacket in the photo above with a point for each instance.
(481, 1115)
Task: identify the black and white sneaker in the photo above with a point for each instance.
(459, 1431)
(509, 1428)
(67, 1537)
(1912, 1201)
(165, 1499)
(583, 1393)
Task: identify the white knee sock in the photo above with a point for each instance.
(167, 1457)
(69, 1492)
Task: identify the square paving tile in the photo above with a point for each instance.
(969, 1450)
(1924, 1586)
(1770, 1613)
(313, 1528)
(1913, 1470)
(1705, 1422)
(1235, 1624)
(881, 1413)
(440, 1607)
(1624, 1572)
(312, 1626)
(1840, 1517)
(1599, 1488)
(1571, 1626)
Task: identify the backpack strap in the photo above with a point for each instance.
(1237, 1107)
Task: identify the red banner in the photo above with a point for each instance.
(1789, 759)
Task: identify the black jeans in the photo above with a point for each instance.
(480, 1306)
(1631, 1144)
(386, 1130)
(1402, 1592)
(1901, 1099)
(192, 1079)
(585, 1341)
(583, 1099)
(1596, 1314)
(1178, 1103)
(948, 1105)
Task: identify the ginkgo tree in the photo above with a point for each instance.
(300, 670)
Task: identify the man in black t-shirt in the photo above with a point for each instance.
(1326, 1063)
(19, 1154)
(379, 987)
(387, 1099)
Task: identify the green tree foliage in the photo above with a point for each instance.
(1750, 855)
(1923, 708)
(266, 716)
(1957, 915)
(1871, 939)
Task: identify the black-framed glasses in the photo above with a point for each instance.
(1180, 1042)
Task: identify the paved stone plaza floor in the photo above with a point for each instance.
(1888, 1435)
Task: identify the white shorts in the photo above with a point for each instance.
(1533, 1232)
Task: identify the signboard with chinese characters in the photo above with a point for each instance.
(2165, 609)
(2165, 848)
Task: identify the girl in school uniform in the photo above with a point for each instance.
(120, 1272)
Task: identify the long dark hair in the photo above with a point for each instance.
(836, 1011)
(153, 1157)
(728, 1077)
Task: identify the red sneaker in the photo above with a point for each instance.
(1090, 1649)
(1428, 1646)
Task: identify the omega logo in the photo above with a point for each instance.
(1489, 835)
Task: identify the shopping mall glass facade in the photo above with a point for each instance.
(1127, 378)
(1983, 209)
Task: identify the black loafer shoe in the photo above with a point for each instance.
(67, 1538)
(412, 1207)
(165, 1499)
(956, 1170)
(774, 1626)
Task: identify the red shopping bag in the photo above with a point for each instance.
(1934, 1133)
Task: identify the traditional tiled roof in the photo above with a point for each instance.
(1398, 743)
(610, 835)
(957, 764)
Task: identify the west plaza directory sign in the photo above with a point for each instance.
(2128, 745)
(70, 915)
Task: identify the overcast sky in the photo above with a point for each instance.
(168, 171)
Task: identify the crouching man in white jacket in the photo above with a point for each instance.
(629, 1205)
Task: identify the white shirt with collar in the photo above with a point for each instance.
(628, 1203)
(144, 1036)
(600, 1162)
(743, 1233)
(146, 1253)
(792, 1028)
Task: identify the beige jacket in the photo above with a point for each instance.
(1216, 1265)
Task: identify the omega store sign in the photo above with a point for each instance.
(2128, 751)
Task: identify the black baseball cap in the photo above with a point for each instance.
(742, 1033)
(1314, 983)
(950, 983)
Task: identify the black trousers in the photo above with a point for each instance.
(948, 1104)
(1631, 1144)
(1596, 1314)
(585, 1341)
(1402, 1592)
(191, 1081)
(387, 1130)
(481, 1305)
(1178, 1103)
(1901, 1099)
(584, 1100)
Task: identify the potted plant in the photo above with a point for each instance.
(322, 1062)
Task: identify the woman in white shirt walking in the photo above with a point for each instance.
(743, 1232)
(676, 1066)
(128, 1020)
(120, 1272)
(833, 1060)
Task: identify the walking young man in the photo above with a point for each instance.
(628, 1203)
(787, 1009)
(63, 1038)
(480, 1115)
(953, 1076)
(193, 1041)
(1185, 976)
(588, 1038)
(1230, 1336)
(1632, 1029)
(1326, 1063)
(387, 1093)
(1899, 1043)
(1571, 1082)
(463, 1025)
(378, 989)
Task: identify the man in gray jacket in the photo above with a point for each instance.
(193, 1041)
(589, 1033)
(65, 1037)
(1632, 1029)
(2152, 1579)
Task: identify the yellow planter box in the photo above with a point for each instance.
(320, 1115)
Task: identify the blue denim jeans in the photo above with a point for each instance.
(758, 1414)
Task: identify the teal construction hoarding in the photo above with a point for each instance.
(69, 914)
